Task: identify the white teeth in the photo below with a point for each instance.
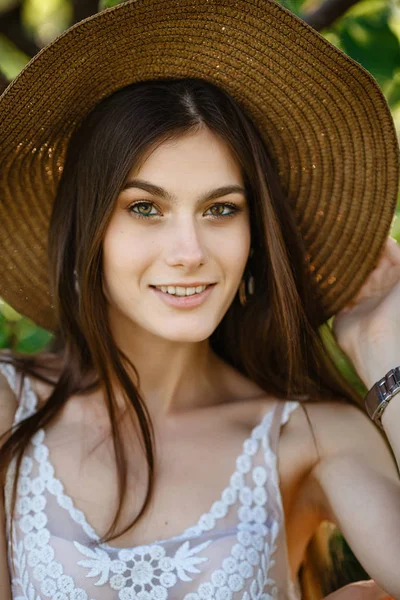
(181, 291)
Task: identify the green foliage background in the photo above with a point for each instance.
(369, 32)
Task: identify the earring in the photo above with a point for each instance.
(250, 285)
(242, 290)
(76, 283)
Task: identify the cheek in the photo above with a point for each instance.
(119, 256)
(235, 250)
(125, 243)
(116, 251)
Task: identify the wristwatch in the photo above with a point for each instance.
(381, 393)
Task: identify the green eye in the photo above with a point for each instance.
(146, 214)
(140, 204)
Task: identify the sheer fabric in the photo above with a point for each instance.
(235, 551)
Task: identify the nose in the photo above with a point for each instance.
(185, 245)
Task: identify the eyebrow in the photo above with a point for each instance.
(159, 191)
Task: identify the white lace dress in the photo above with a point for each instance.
(235, 551)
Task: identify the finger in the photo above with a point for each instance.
(393, 250)
(390, 254)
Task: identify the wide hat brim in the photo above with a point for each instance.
(323, 118)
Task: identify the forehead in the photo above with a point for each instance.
(194, 157)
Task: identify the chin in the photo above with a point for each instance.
(185, 336)
(180, 332)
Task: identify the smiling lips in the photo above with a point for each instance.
(181, 290)
(188, 299)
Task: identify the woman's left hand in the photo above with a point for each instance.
(368, 328)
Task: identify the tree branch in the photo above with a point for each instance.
(11, 26)
(84, 8)
(326, 14)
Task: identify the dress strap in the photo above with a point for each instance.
(288, 408)
(282, 412)
(27, 399)
(10, 374)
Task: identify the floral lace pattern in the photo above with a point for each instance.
(144, 572)
(245, 518)
(35, 550)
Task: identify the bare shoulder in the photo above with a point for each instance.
(296, 450)
(48, 369)
(320, 432)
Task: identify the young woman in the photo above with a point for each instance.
(187, 432)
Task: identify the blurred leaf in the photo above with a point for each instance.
(395, 231)
(392, 90)
(341, 359)
(394, 21)
(4, 332)
(367, 8)
(299, 6)
(333, 38)
(9, 313)
(46, 19)
(109, 3)
(346, 567)
(396, 118)
(12, 60)
(369, 40)
(30, 337)
(19, 333)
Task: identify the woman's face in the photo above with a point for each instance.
(166, 230)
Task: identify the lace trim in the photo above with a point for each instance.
(229, 495)
(22, 580)
(35, 550)
(206, 522)
(29, 399)
(137, 571)
(289, 407)
(248, 557)
(146, 572)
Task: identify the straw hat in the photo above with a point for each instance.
(322, 116)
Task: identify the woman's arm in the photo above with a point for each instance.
(357, 484)
(357, 475)
(368, 330)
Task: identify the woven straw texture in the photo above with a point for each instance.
(322, 116)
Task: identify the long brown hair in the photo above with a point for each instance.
(275, 340)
